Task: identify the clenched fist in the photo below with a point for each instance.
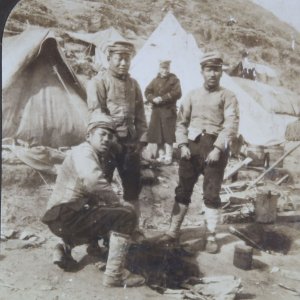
(185, 152)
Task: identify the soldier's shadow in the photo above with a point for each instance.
(164, 267)
(161, 266)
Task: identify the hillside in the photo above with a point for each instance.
(267, 39)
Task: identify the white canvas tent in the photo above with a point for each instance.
(169, 39)
(273, 99)
(43, 103)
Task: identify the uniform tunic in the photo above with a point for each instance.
(121, 98)
(163, 118)
(83, 204)
(206, 119)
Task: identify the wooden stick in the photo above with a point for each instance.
(242, 236)
(231, 172)
(281, 180)
(259, 178)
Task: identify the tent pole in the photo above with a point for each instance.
(61, 80)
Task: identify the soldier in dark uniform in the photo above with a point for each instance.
(163, 92)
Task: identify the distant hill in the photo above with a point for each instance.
(267, 39)
(285, 10)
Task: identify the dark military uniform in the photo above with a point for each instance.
(163, 118)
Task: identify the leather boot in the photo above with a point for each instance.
(178, 213)
(212, 216)
(138, 235)
(62, 256)
(115, 274)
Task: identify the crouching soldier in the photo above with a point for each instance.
(83, 207)
(206, 123)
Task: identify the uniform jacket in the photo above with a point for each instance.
(163, 119)
(120, 97)
(81, 180)
(214, 112)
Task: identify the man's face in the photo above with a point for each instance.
(120, 62)
(164, 71)
(212, 76)
(100, 139)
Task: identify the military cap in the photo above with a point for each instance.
(121, 47)
(213, 59)
(164, 63)
(100, 120)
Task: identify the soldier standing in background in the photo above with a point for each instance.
(163, 92)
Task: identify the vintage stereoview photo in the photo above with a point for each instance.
(150, 149)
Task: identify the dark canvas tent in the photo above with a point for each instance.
(98, 41)
(43, 101)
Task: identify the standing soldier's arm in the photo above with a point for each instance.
(174, 92)
(149, 91)
(231, 122)
(96, 95)
(183, 121)
(140, 118)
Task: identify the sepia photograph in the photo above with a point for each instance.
(150, 149)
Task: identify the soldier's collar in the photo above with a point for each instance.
(115, 74)
(210, 90)
(159, 75)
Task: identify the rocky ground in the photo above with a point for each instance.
(26, 244)
(26, 247)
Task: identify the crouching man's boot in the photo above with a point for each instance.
(138, 234)
(62, 256)
(178, 214)
(115, 274)
(212, 216)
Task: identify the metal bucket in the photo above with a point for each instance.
(266, 207)
(243, 256)
(273, 153)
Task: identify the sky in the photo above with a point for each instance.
(286, 10)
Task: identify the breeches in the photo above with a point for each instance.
(190, 170)
(83, 226)
(128, 164)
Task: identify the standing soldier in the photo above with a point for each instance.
(116, 94)
(163, 92)
(207, 121)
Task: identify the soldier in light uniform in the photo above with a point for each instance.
(207, 121)
(84, 208)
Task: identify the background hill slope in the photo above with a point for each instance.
(267, 39)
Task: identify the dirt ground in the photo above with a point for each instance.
(25, 259)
